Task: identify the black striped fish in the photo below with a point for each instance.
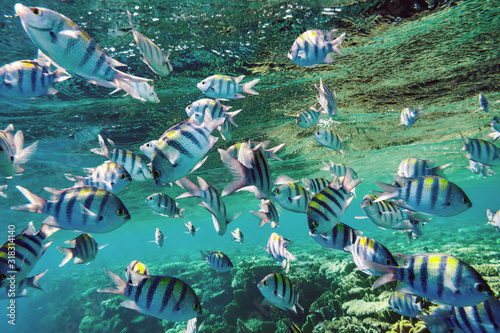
(234, 150)
(191, 228)
(29, 79)
(67, 46)
(439, 277)
(413, 167)
(340, 237)
(495, 126)
(365, 249)
(338, 169)
(227, 87)
(307, 118)
(279, 290)
(484, 104)
(481, 318)
(217, 260)
(481, 151)
(152, 55)
(409, 116)
(110, 176)
(164, 205)
(314, 185)
(267, 213)
(328, 205)
(480, 169)
(87, 209)
(277, 248)
(329, 139)
(159, 238)
(182, 149)
(315, 47)
(138, 269)
(164, 297)
(292, 197)
(405, 304)
(127, 158)
(12, 151)
(250, 172)
(28, 248)
(21, 287)
(84, 249)
(212, 202)
(327, 99)
(430, 195)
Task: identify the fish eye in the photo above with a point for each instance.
(370, 203)
(123, 176)
(265, 283)
(315, 224)
(35, 11)
(196, 306)
(203, 82)
(479, 287)
(317, 133)
(189, 107)
(300, 120)
(148, 145)
(388, 262)
(1, 149)
(277, 191)
(120, 212)
(157, 174)
(290, 51)
(465, 200)
(3, 276)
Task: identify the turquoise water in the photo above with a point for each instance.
(440, 58)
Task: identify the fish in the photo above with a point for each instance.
(12, 152)
(413, 167)
(237, 236)
(164, 205)
(267, 213)
(328, 205)
(217, 260)
(234, 150)
(250, 172)
(338, 169)
(293, 328)
(405, 304)
(387, 215)
(365, 249)
(127, 158)
(110, 176)
(482, 317)
(493, 218)
(190, 228)
(139, 270)
(160, 296)
(148, 148)
(307, 118)
(84, 249)
(480, 169)
(441, 278)
(28, 247)
(159, 237)
(212, 202)
(329, 139)
(314, 47)
(277, 248)
(29, 79)
(327, 99)
(481, 151)
(429, 195)
(226, 87)
(67, 46)
(152, 55)
(279, 290)
(292, 197)
(484, 104)
(21, 287)
(409, 116)
(86, 209)
(182, 149)
(340, 237)
(314, 185)
(495, 126)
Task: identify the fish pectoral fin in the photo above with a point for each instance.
(70, 33)
(88, 212)
(131, 305)
(301, 54)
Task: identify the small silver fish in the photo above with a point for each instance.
(237, 236)
(338, 169)
(409, 116)
(234, 150)
(279, 290)
(217, 260)
(405, 305)
(314, 47)
(329, 139)
(327, 99)
(109, 176)
(190, 228)
(307, 118)
(159, 238)
(277, 248)
(480, 169)
(226, 87)
(164, 205)
(12, 152)
(267, 213)
(84, 249)
(493, 218)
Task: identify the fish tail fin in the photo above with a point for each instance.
(60, 75)
(230, 116)
(79, 180)
(237, 171)
(336, 43)
(466, 142)
(247, 87)
(68, 255)
(438, 171)
(204, 255)
(212, 123)
(192, 189)
(103, 150)
(135, 86)
(390, 191)
(272, 152)
(130, 20)
(120, 284)
(25, 154)
(34, 281)
(36, 203)
(387, 272)
(494, 135)
(261, 216)
(349, 183)
(435, 323)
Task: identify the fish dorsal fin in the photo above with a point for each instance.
(284, 179)
(29, 230)
(239, 78)
(203, 184)
(71, 242)
(55, 192)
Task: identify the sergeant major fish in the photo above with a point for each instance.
(127, 158)
(277, 249)
(365, 249)
(237, 236)
(109, 176)
(279, 290)
(329, 139)
(164, 205)
(156, 60)
(267, 213)
(234, 150)
(405, 304)
(292, 197)
(190, 228)
(159, 238)
(495, 126)
(67, 46)
(307, 118)
(480, 169)
(87, 209)
(217, 260)
(227, 87)
(485, 105)
(409, 116)
(481, 151)
(164, 297)
(21, 287)
(148, 148)
(314, 47)
(339, 238)
(84, 249)
(413, 167)
(315, 185)
(493, 218)
(12, 152)
(327, 99)
(338, 169)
